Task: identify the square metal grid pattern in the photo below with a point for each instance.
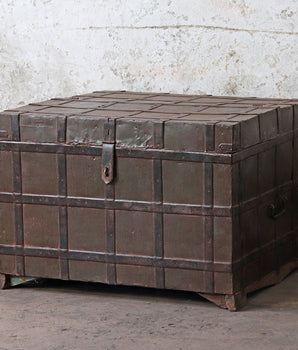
(188, 207)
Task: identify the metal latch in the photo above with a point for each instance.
(108, 152)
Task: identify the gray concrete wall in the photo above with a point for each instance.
(54, 48)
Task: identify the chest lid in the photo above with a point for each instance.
(191, 123)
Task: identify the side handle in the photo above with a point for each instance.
(278, 208)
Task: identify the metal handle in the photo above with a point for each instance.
(278, 209)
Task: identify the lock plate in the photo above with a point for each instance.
(107, 172)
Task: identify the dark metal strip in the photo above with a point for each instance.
(19, 237)
(63, 228)
(196, 210)
(262, 147)
(120, 152)
(111, 258)
(175, 155)
(157, 180)
(62, 190)
(20, 264)
(208, 184)
(18, 208)
(263, 198)
(257, 219)
(159, 241)
(208, 224)
(158, 139)
(110, 236)
(111, 204)
(209, 141)
(15, 127)
(209, 256)
(111, 273)
(62, 174)
(158, 221)
(109, 130)
(110, 228)
(294, 159)
(158, 135)
(17, 172)
(266, 248)
(159, 248)
(61, 127)
(276, 170)
(17, 188)
(168, 208)
(236, 184)
(109, 188)
(144, 260)
(38, 147)
(148, 153)
(64, 270)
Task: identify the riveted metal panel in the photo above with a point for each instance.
(268, 125)
(184, 237)
(41, 225)
(222, 184)
(40, 173)
(284, 159)
(134, 179)
(185, 136)
(267, 175)
(249, 178)
(136, 275)
(45, 267)
(267, 232)
(84, 130)
(249, 129)
(86, 229)
(8, 264)
(133, 133)
(189, 280)
(223, 239)
(7, 122)
(84, 176)
(223, 283)
(285, 116)
(249, 225)
(40, 128)
(176, 179)
(134, 233)
(7, 229)
(89, 271)
(201, 193)
(6, 173)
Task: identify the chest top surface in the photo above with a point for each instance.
(193, 123)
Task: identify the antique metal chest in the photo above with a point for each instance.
(194, 193)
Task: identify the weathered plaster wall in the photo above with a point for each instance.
(228, 47)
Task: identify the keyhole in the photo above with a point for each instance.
(106, 172)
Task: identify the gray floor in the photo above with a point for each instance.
(70, 315)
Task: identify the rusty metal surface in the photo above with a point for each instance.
(169, 191)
